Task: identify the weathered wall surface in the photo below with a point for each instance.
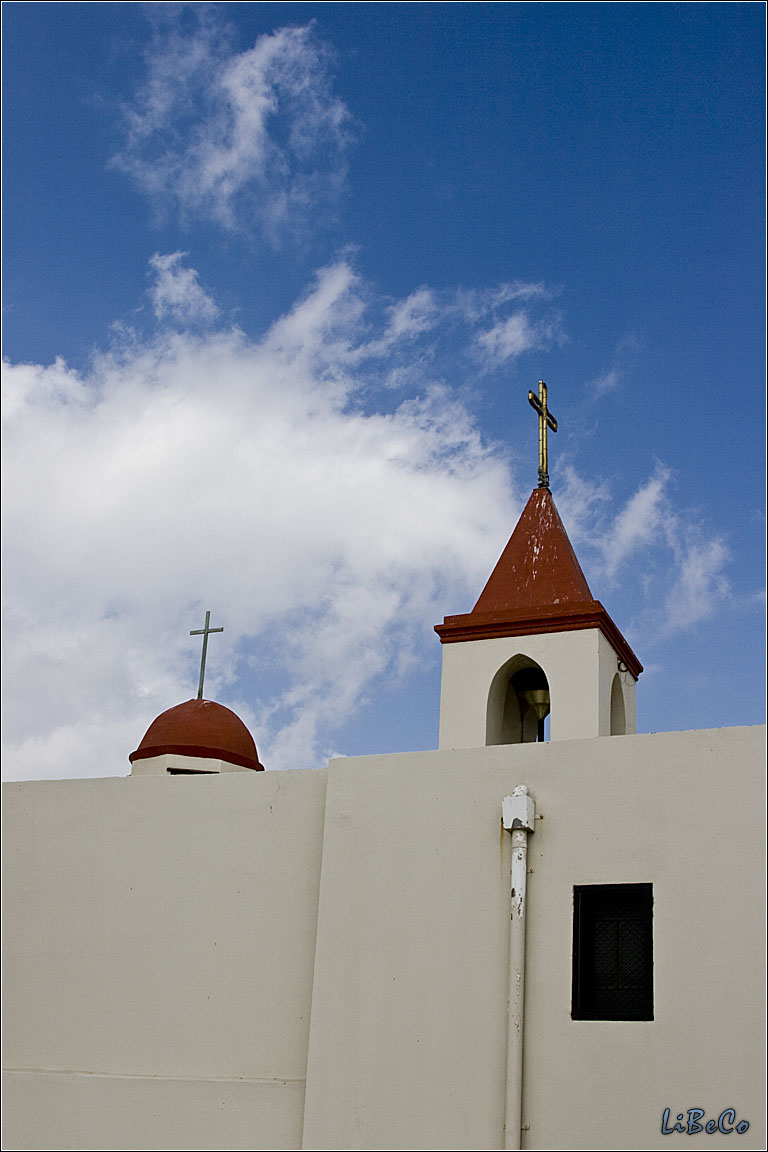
(72, 1110)
(159, 950)
(407, 1044)
(165, 948)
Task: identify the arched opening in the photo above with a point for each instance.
(618, 715)
(518, 703)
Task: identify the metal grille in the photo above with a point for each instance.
(612, 952)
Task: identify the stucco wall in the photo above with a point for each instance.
(74, 1110)
(159, 945)
(407, 1044)
(164, 950)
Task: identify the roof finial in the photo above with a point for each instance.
(546, 419)
(204, 632)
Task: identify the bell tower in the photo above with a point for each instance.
(536, 644)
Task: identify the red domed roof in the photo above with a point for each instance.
(200, 728)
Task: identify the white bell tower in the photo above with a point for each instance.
(536, 643)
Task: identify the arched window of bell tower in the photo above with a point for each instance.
(518, 702)
(618, 714)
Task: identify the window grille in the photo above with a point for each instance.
(612, 952)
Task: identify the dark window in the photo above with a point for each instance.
(189, 772)
(612, 952)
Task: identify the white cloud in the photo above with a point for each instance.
(623, 363)
(672, 571)
(477, 303)
(176, 294)
(243, 138)
(412, 316)
(700, 582)
(202, 469)
(606, 382)
(638, 523)
(508, 338)
(515, 334)
(581, 503)
(205, 470)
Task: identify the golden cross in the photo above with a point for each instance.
(546, 419)
(204, 632)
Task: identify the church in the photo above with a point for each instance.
(546, 933)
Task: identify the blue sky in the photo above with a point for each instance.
(278, 278)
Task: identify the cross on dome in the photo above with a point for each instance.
(205, 631)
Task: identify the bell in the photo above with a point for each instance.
(538, 700)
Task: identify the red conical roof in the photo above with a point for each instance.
(538, 568)
(537, 586)
(200, 728)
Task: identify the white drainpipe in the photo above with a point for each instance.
(517, 814)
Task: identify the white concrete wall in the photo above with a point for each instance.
(159, 950)
(407, 1044)
(74, 1110)
(579, 665)
(171, 762)
(607, 670)
(164, 950)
